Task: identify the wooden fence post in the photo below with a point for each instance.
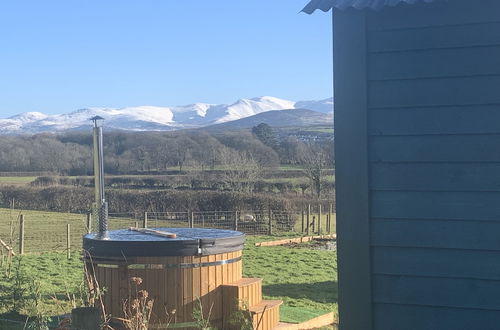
(308, 218)
(68, 240)
(145, 221)
(89, 223)
(236, 220)
(303, 219)
(270, 222)
(21, 234)
(319, 219)
(330, 212)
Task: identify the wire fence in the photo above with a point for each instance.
(40, 232)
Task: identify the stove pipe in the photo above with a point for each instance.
(100, 207)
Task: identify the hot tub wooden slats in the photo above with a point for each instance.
(218, 283)
(197, 284)
(180, 294)
(176, 282)
(187, 285)
(115, 286)
(204, 279)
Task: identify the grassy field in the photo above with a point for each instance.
(16, 180)
(304, 278)
(318, 129)
(46, 231)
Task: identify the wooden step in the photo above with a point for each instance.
(266, 314)
(242, 295)
(247, 292)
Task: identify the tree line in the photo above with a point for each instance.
(133, 152)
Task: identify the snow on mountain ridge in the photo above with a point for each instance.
(154, 118)
(28, 116)
(324, 106)
(249, 107)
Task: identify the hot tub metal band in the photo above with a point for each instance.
(183, 265)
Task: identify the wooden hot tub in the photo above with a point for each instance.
(175, 271)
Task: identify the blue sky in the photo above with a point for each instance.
(58, 56)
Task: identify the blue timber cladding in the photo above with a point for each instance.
(433, 110)
(351, 135)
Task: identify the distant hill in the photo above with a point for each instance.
(289, 118)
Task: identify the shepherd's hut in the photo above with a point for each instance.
(417, 133)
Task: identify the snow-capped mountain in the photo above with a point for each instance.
(324, 106)
(152, 118)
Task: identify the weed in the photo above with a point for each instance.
(13, 290)
(39, 320)
(202, 322)
(137, 308)
(242, 317)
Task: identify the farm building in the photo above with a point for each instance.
(417, 130)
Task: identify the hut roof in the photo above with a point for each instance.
(326, 5)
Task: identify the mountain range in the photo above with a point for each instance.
(153, 118)
(279, 118)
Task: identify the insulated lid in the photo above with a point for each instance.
(188, 242)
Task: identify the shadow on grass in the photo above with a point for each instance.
(321, 292)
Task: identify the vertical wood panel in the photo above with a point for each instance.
(172, 292)
(218, 283)
(180, 290)
(188, 291)
(350, 62)
(196, 279)
(124, 283)
(115, 292)
(212, 286)
(172, 287)
(224, 270)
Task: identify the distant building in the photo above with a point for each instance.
(417, 132)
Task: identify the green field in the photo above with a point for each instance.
(16, 180)
(304, 278)
(46, 231)
(328, 130)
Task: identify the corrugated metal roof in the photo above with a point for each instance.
(326, 5)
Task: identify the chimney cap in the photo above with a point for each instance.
(96, 119)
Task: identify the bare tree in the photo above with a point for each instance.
(239, 170)
(315, 161)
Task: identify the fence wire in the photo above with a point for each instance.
(44, 233)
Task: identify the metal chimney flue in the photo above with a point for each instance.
(100, 206)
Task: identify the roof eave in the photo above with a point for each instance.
(326, 5)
